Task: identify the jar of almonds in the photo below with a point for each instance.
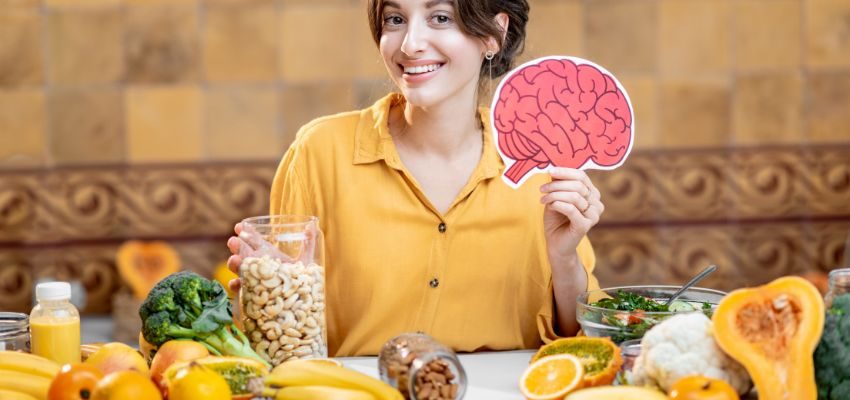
(421, 368)
(282, 299)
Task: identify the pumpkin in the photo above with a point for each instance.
(773, 330)
(143, 264)
(698, 387)
(616, 393)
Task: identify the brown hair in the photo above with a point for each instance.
(476, 18)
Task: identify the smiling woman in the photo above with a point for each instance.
(420, 233)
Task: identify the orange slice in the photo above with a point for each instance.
(551, 377)
(599, 356)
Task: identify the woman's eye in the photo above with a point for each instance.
(442, 19)
(393, 20)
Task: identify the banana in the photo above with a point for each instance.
(14, 395)
(300, 373)
(28, 364)
(33, 385)
(318, 393)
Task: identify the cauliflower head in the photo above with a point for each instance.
(684, 345)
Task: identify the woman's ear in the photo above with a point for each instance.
(503, 20)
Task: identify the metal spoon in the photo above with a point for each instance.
(708, 270)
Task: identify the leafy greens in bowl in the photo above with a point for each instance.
(627, 312)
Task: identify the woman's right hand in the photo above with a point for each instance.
(247, 243)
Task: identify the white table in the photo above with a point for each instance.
(490, 376)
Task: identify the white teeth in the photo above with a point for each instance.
(421, 69)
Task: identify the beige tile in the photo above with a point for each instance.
(6, 4)
(555, 29)
(85, 46)
(367, 92)
(828, 102)
(643, 93)
(694, 37)
(160, 2)
(22, 128)
(21, 61)
(86, 125)
(238, 2)
(621, 34)
(302, 103)
(767, 108)
(327, 51)
(240, 44)
(242, 123)
(162, 44)
(80, 3)
(164, 123)
(828, 32)
(694, 113)
(767, 34)
(367, 59)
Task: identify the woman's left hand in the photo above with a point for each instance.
(573, 206)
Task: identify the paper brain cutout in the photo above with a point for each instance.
(561, 111)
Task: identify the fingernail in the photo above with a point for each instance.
(244, 235)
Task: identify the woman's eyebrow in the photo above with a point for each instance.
(434, 3)
(390, 3)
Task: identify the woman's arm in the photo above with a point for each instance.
(573, 207)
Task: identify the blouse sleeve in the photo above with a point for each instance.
(545, 317)
(289, 192)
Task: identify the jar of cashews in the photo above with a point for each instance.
(282, 298)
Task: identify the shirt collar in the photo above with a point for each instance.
(372, 140)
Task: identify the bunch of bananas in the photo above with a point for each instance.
(309, 380)
(25, 376)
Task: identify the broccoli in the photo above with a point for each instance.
(185, 306)
(832, 356)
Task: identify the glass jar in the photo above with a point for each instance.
(839, 284)
(14, 331)
(421, 368)
(282, 299)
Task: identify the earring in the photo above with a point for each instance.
(489, 55)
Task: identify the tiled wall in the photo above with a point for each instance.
(139, 81)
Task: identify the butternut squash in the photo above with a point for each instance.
(773, 330)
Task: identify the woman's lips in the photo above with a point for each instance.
(412, 74)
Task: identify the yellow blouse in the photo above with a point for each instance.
(476, 278)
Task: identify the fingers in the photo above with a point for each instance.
(575, 216)
(233, 262)
(238, 228)
(234, 244)
(235, 284)
(580, 202)
(567, 186)
(570, 174)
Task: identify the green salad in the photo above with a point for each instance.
(634, 323)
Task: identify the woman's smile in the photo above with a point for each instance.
(419, 71)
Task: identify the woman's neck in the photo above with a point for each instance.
(444, 130)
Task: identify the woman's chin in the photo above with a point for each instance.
(420, 97)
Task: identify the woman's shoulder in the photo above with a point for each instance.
(329, 128)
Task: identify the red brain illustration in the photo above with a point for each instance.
(558, 112)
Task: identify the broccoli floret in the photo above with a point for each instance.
(184, 305)
(832, 356)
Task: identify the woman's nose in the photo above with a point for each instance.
(414, 40)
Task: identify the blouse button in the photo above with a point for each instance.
(434, 283)
(442, 227)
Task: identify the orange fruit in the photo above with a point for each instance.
(551, 377)
(125, 385)
(74, 382)
(600, 357)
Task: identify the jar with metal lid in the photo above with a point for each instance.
(421, 368)
(14, 331)
(839, 284)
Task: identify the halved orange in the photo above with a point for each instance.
(599, 356)
(551, 377)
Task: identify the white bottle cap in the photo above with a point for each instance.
(53, 291)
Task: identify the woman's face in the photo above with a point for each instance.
(425, 52)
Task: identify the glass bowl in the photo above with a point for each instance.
(622, 325)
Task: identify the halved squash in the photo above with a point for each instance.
(599, 356)
(773, 330)
(143, 264)
(236, 371)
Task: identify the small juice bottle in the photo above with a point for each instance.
(55, 324)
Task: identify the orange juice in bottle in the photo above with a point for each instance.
(55, 324)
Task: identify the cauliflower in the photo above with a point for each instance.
(683, 345)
